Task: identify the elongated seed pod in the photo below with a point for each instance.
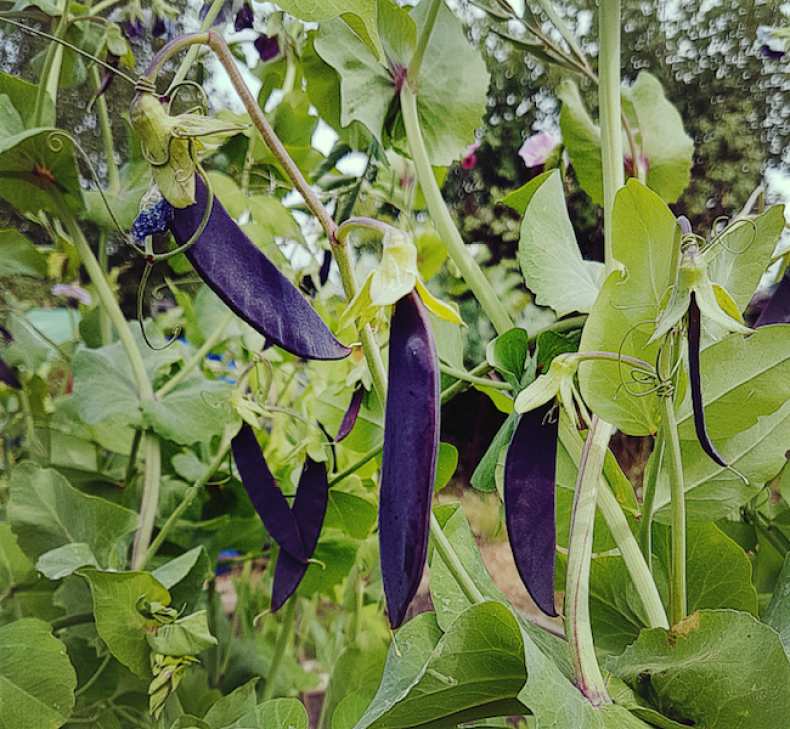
(250, 284)
(411, 447)
(530, 469)
(350, 418)
(694, 331)
(266, 497)
(309, 509)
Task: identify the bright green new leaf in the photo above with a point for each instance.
(274, 714)
(37, 680)
(19, 257)
(22, 96)
(62, 561)
(187, 636)
(709, 668)
(777, 614)
(231, 708)
(549, 255)
(116, 596)
(520, 199)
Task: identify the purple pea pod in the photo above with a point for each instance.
(309, 509)
(530, 469)
(694, 327)
(350, 418)
(8, 376)
(250, 284)
(266, 497)
(411, 447)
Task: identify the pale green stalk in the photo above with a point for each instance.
(548, 7)
(649, 496)
(610, 115)
(289, 613)
(618, 527)
(152, 480)
(192, 53)
(578, 628)
(197, 358)
(415, 64)
(472, 380)
(50, 78)
(443, 222)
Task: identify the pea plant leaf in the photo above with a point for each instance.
(37, 680)
(777, 614)
(706, 669)
(549, 255)
(274, 714)
(450, 107)
(18, 256)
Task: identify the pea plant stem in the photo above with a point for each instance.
(440, 216)
(152, 479)
(649, 496)
(189, 60)
(286, 626)
(578, 628)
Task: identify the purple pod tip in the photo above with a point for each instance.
(350, 418)
(411, 448)
(530, 469)
(8, 376)
(250, 284)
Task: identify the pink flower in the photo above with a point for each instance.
(628, 161)
(469, 159)
(536, 150)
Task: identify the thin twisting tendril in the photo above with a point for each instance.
(646, 375)
(719, 237)
(140, 298)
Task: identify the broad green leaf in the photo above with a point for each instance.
(334, 557)
(171, 573)
(777, 614)
(713, 492)
(738, 260)
(37, 680)
(23, 96)
(360, 15)
(623, 317)
(508, 354)
(475, 671)
(46, 512)
(663, 140)
(446, 465)
(350, 512)
(185, 576)
(582, 140)
(62, 561)
(519, 199)
(549, 255)
(35, 165)
(187, 636)
(19, 257)
(484, 477)
(116, 596)
(743, 380)
(232, 707)
(275, 714)
(719, 574)
(721, 669)
(14, 565)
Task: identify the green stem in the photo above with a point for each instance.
(106, 322)
(472, 380)
(610, 116)
(131, 466)
(618, 526)
(189, 497)
(191, 56)
(450, 558)
(197, 358)
(279, 649)
(34, 445)
(649, 497)
(415, 64)
(440, 215)
(152, 479)
(53, 63)
(113, 174)
(561, 327)
(548, 7)
(669, 428)
(578, 628)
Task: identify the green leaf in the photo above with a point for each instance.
(36, 163)
(119, 623)
(14, 565)
(777, 614)
(19, 257)
(335, 556)
(275, 714)
(61, 562)
(46, 512)
(37, 680)
(549, 255)
(643, 233)
(360, 15)
(23, 96)
(232, 707)
(519, 199)
(484, 477)
(582, 140)
(446, 465)
(352, 513)
(187, 636)
(508, 353)
(475, 671)
(743, 380)
(708, 668)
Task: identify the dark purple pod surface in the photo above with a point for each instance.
(694, 331)
(530, 469)
(250, 284)
(411, 447)
(265, 494)
(309, 509)
(350, 418)
(8, 376)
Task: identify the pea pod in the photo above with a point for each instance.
(694, 331)
(250, 284)
(530, 469)
(411, 447)
(309, 510)
(265, 494)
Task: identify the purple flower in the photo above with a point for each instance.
(152, 219)
(773, 46)
(536, 150)
(469, 159)
(72, 291)
(267, 48)
(628, 161)
(244, 18)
